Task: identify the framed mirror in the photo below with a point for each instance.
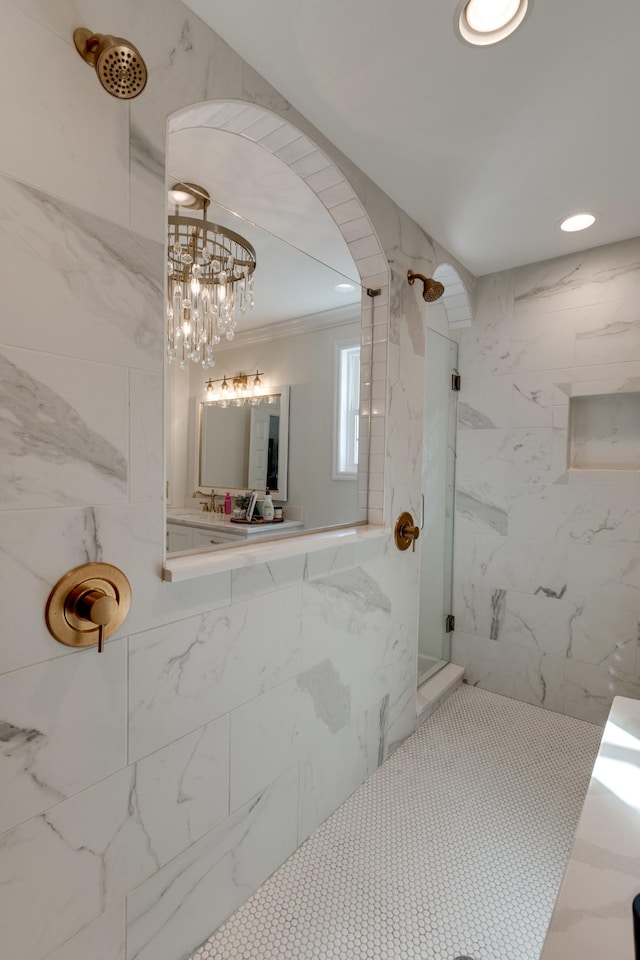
(245, 446)
(308, 304)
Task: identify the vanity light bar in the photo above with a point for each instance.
(238, 390)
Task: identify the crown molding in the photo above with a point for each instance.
(338, 317)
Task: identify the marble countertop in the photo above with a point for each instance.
(592, 916)
(221, 521)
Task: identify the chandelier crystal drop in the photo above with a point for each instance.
(209, 280)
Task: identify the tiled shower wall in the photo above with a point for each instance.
(547, 592)
(146, 792)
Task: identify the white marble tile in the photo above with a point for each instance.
(590, 689)
(531, 452)
(537, 567)
(62, 134)
(146, 460)
(485, 403)
(538, 510)
(187, 62)
(274, 731)
(194, 670)
(94, 841)
(608, 332)
(63, 445)
(404, 445)
(347, 617)
(148, 134)
(182, 790)
(594, 276)
(108, 839)
(481, 509)
(546, 344)
(526, 675)
(324, 562)
(264, 578)
(63, 728)
(99, 290)
(172, 913)
(571, 628)
(478, 612)
(334, 770)
(482, 560)
(104, 939)
(607, 575)
(533, 399)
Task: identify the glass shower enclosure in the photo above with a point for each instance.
(438, 492)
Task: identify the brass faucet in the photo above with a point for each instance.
(210, 497)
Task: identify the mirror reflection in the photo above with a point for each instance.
(244, 446)
(295, 432)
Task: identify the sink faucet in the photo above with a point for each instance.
(211, 497)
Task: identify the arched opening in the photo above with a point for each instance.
(262, 169)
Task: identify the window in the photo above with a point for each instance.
(347, 401)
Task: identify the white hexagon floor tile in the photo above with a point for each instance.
(455, 847)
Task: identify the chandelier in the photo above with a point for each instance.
(210, 280)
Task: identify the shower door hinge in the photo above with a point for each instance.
(456, 380)
(450, 623)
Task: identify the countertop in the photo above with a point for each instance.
(221, 521)
(592, 916)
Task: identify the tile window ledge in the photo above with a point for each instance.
(352, 545)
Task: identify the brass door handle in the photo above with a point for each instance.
(88, 604)
(406, 532)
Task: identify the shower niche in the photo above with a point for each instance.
(605, 432)
(597, 432)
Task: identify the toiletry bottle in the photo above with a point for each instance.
(227, 503)
(267, 506)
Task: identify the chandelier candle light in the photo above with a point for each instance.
(209, 283)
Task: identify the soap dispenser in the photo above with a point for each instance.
(227, 503)
(267, 506)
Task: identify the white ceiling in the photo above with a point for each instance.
(301, 255)
(487, 148)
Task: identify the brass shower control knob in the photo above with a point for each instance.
(406, 532)
(88, 604)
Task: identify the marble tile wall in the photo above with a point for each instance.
(547, 581)
(145, 793)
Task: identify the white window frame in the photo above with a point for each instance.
(346, 409)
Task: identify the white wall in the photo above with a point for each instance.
(149, 790)
(547, 596)
(303, 362)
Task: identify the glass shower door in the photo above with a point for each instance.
(438, 488)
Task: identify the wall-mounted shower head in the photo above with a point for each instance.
(120, 68)
(433, 289)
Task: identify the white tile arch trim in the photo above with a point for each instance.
(456, 299)
(305, 158)
(285, 141)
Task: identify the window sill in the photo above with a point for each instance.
(365, 542)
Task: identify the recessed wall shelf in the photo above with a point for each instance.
(596, 432)
(605, 432)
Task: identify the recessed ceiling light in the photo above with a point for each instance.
(344, 288)
(579, 221)
(482, 22)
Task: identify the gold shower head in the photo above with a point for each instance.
(120, 68)
(433, 289)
